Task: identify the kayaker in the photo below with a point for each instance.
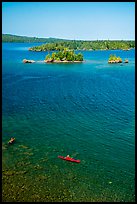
(67, 156)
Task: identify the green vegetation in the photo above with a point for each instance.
(64, 56)
(16, 38)
(60, 44)
(114, 59)
(85, 45)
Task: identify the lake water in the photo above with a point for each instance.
(86, 110)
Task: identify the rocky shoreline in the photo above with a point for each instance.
(65, 61)
(115, 61)
(28, 61)
(61, 61)
(49, 61)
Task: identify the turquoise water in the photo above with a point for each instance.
(85, 110)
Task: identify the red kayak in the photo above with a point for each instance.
(69, 159)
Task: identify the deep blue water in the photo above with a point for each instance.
(85, 110)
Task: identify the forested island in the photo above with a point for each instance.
(64, 56)
(85, 45)
(115, 59)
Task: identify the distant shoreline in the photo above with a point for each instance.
(56, 44)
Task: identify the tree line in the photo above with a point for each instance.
(25, 39)
(85, 45)
(60, 44)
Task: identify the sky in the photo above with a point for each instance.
(70, 20)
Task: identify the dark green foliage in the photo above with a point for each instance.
(16, 38)
(48, 56)
(60, 44)
(66, 54)
(114, 59)
(79, 57)
(86, 45)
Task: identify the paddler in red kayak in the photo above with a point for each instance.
(68, 158)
